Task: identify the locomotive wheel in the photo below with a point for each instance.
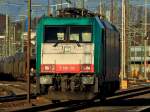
(102, 98)
(103, 91)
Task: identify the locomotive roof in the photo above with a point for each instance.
(76, 21)
(76, 16)
(109, 26)
(65, 21)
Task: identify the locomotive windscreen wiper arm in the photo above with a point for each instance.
(77, 42)
(56, 44)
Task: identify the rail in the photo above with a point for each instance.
(77, 105)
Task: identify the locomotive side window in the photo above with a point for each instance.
(54, 33)
(81, 33)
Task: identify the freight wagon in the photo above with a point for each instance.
(14, 67)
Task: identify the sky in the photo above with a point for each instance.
(18, 8)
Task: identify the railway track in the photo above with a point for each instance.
(130, 93)
(120, 96)
(15, 98)
(16, 91)
(16, 87)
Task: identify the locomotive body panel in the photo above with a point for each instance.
(67, 58)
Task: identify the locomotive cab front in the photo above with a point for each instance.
(67, 49)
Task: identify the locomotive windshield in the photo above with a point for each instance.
(53, 34)
(80, 33)
(67, 33)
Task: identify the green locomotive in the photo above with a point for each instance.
(77, 57)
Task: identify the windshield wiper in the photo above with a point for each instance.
(77, 42)
(56, 44)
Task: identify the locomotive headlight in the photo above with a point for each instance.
(88, 80)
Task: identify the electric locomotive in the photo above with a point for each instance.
(77, 56)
